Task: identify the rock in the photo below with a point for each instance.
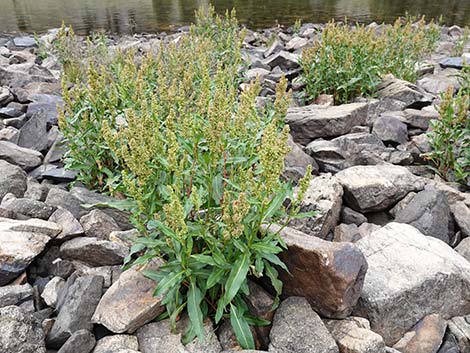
(313, 121)
(349, 216)
(419, 118)
(296, 43)
(297, 161)
(75, 314)
(125, 237)
(110, 274)
(31, 225)
(352, 338)
(324, 195)
(402, 94)
(429, 212)
(461, 215)
(71, 228)
(298, 329)
(24, 42)
(12, 180)
(455, 62)
(376, 188)
(440, 82)
(61, 198)
(15, 294)
(81, 341)
(283, 59)
(129, 303)
(459, 332)
(86, 196)
(22, 157)
(5, 96)
(33, 134)
(94, 251)
(9, 134)
(157, 337)
(62, 268)
(115, 343)
(50, 293)
(17, 250)
(28, 207)
(464, 248)
(449, 345)
(347, 233)
(98, 224)
(256, 73)
(35, 191)
(410, 276)
(334, 155)
(275, 47)
(20, 332)
(390, 129)
(329, 275)
(425, 337)
(59, 175)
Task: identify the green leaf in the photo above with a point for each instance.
(273, 276)
(236, 278)
(122, 205)
(169, 281)
(205, 259)
(304, 215)
(194, 309)
(214, 277)
(274, 205)
(241, 328)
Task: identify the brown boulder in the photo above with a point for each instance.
(330, 275)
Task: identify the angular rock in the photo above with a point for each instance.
(329, 275)
(349, 216)
(22, 157)
(419, 118)
(94, 251)
(376, 188)
(283, 59)
(50, 294)
(15, 294)
(333, 156)
(347, 233)
(260, 305)
(116, 343)
(81, 341)
(425, 337)
(455, 62)
(459, 332)
(403, 94)
(352, 338)
(129, 303)
(24, 42)
(390, 129)
(410, 276)
(28, 207)
(297, 161)
(20, 332)
(59, 175)
(324, 195)
(12, 180)
(429, 212)
(461, 215)
(440, 82)
(33, 134)
(298, 329)
(313, 121)
(75, 314)
(71, 228)
(36, 191)
(31, 225)
(98, 224)
(61, 198)
(464, 248)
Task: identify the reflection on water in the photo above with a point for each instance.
(125, 16)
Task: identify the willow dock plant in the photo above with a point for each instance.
(199, 162)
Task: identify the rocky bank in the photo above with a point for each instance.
(383, 267)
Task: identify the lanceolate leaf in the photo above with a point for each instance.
(236, 278)
(194, 309)
(241, 328)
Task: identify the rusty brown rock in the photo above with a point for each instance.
(329, 275)
(129, 303)
(425, 337)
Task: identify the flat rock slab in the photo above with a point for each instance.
(410, 276)
(313, 121)
(129, 303)
(25, 158)
(329, 275)
(376, 188)
(456, 62)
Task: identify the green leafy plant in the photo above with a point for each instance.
(450, 137)
(460, 44)
(350, 62)
(199, 162)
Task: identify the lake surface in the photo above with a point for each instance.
(127, 16)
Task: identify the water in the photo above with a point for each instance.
(127, 16)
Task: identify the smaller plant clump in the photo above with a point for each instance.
(450, 137)
(350, 62)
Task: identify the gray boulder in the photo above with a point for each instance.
(376, 188)
(390, 129)
(33, 134)
(20, 332)
(15, 294)
(313, 121)
(440, 82)
(298, 329)
(25, 158)
(12, 180)
(461, 213)
(410, 276)
(98, 224)
(81, 341)
(115, 343)
(401, 94)
(27, 207)
(75, 314)
(324, 196)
